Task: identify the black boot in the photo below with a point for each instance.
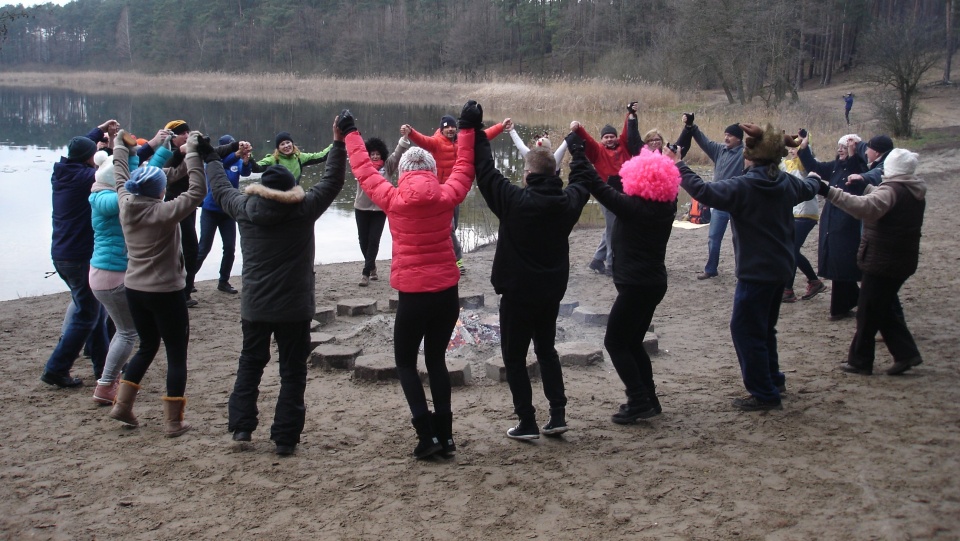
(651, 390)
(557, 424)
(443, 428)
(428, 444)
(638, 406)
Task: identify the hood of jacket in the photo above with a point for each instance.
(419, 188)
(267, 206)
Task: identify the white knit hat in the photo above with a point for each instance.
(418, 159)
(900, 161)
(104, 174)
(843, 140)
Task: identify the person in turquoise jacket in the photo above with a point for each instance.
(290, 156)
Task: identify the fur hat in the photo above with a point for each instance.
(418, 159)
(278, 177)
(281, 137)
(104, 174)
(900, 161)
(650, 175)
(447, 120)
(763, 146)
(881, 144)
(178, 127)
(735, 130)
(148, 181)
(539, 158)
(375, 144)
(608, 129)
(842, 142)
(226, 140)
(80, 149)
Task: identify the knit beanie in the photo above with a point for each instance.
(763, 146)
(447, 120)
(735, 130)
(540, 159)
(278, 177)
(900, 161)
(226, 140)
(418, 159)
(608, 129)
(80, 149)
(281, 137)
(148, 181)
(104, 174)
(880, 144)
(650, 175)
(178, 127)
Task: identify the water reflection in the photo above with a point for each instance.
(35, 126)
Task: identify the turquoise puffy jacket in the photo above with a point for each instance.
(109, 248)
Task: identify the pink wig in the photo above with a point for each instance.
(651, 175)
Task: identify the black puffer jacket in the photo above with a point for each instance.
(277, 239)
(533, 251)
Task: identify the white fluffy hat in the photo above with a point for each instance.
(900, 161)
(104, 174)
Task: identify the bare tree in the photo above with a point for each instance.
(950, 45)
(123, 35)
(8, 16)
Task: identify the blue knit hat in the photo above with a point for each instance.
(81, 149)
(226, 140)
(148, 181)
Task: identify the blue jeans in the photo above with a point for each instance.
(753, 327)
(86, 320)
(718, 226)
(210, 222)
(801, 229)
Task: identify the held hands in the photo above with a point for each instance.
(205, 149)
(854, 179)
(632, 108)
(471, 116)
(193, 142)
(345, 124)
(122, 139)
(405, 130)
(574, 142)
(824, 187)
(574, 126)
(672, 152)
(687, 119)
(507, 124)
(109, 127)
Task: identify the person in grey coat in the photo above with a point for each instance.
(276, 220)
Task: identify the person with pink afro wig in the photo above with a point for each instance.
(645, 212)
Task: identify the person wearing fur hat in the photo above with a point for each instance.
(442, 145)
(371, 218)
(727, 161)
(108, 267)
(839, 231)
(213, 219)
(607, 156)
(276, 219)
(760, 203)
(424, 269)
(889, 251)
(289, 155)
(85, 321)
(530, 271)
(538, 143)
(155, 275)
(645, 212)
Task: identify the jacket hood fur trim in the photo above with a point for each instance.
(293, 195)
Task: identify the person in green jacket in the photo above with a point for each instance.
(290, 156)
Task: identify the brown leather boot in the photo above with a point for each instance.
(173, 423)
(123, 404)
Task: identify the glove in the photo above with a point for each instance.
(345, 122)
(193, 141)
(575, 143)
(688, 120)
(471, 116)
(206, 150)
(802, 133)
(124, 139)
(824, 187)
(632, 108)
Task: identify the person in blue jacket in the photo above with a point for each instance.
(213, 219)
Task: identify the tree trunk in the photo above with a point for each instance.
(949, 17)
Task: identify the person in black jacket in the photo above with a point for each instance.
(530, 271)
(645, 212)
(276, 220)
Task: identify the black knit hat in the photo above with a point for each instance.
(281, 137)
(278, 177)
(447, 120)
(735, 130)
(880, 144)
(608, 129)
(81, 149)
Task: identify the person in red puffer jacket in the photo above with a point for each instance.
(424, 271)
(443, 146)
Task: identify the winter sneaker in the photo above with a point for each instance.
(597, 266)
(226, 288)
(526, 430)
(463, 270)
(285, 450)
(788, 296)
(373, 275)
(752, 403)
(104, 394)
(631, 413)
(813, 289)
(364, 281)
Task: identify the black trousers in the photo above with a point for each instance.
(160, 316)
(843, 296)
(879, 310)
(523, 320)
(627, 324)
(369, 230)
(293, 346)
(190, 245)
(429, 317)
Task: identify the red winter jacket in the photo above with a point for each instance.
(420, 210)
(444, 150)
(607, 161)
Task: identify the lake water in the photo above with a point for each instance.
(37, 124)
